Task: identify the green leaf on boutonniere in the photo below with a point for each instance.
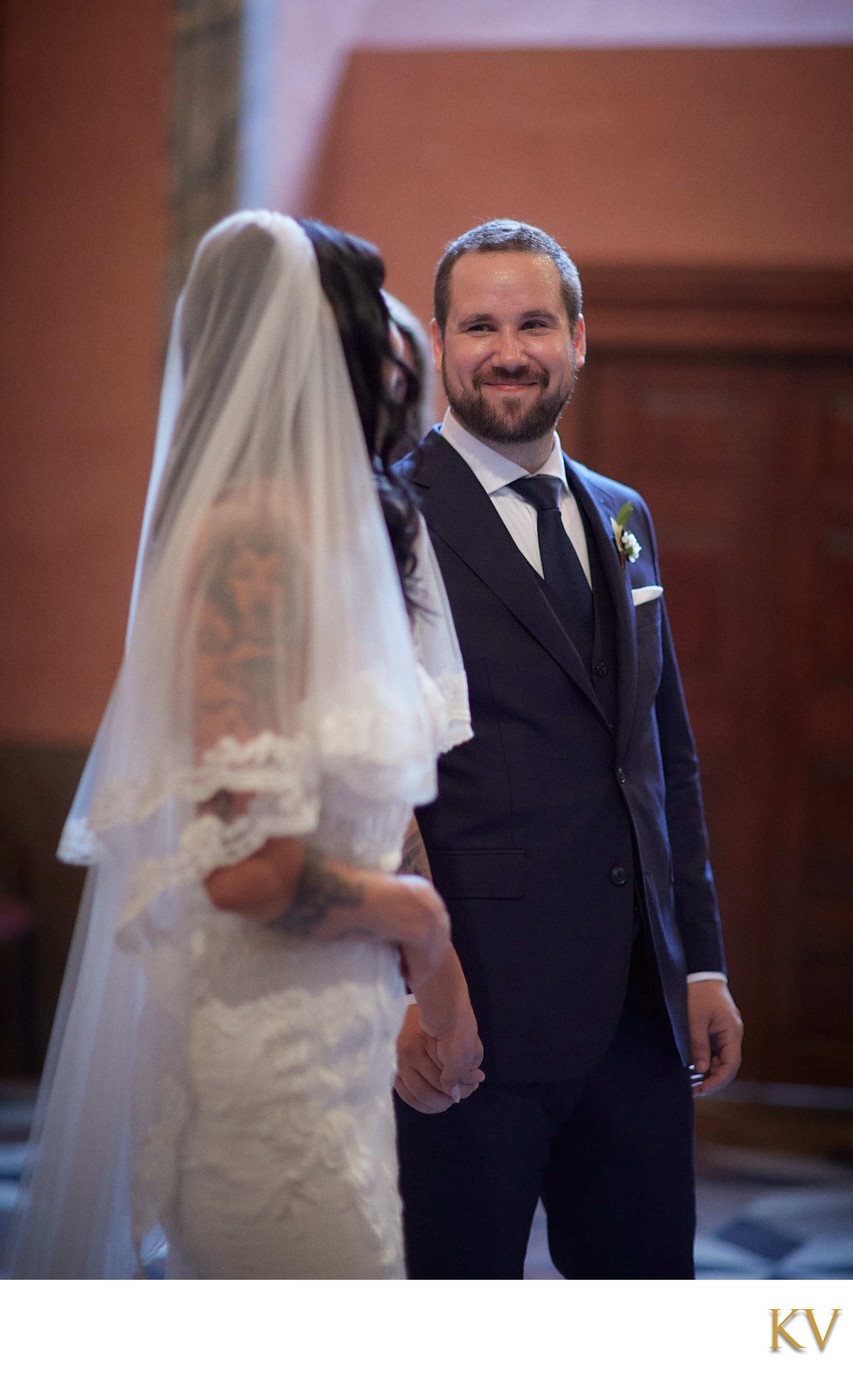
(627, 545)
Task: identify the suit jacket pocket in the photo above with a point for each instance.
(649, 652)
(479, 872)
(647, 615)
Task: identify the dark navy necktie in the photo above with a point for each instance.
(561, 567)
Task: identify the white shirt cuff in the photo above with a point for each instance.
(705, 975)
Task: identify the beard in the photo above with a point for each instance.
(518, 419)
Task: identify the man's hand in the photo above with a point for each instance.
(716, 1033)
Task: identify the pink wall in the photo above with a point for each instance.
(82, 234)
(732, 156)
(649, 156)
(300, 78)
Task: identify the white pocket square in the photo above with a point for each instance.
(644, 593)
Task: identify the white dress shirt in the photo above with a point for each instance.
(496, 473)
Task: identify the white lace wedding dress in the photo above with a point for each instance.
(272, 1153)
(288, 1162)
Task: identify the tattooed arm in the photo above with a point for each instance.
(296, 888)
(319, 887)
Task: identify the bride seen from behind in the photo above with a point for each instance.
(218, 1086)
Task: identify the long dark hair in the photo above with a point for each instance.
(351, 275)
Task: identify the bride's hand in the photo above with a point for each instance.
(457, 1052)
(423, 930)
(440, 1047)
(422, 1080)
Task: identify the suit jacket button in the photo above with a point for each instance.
(619, 875)
(620, 776)
(601, 668)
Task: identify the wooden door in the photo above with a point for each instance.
(741, 439)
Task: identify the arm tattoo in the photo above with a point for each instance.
(318, 889)
(414, 854)
(249, 631)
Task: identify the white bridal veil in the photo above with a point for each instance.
(271, 685)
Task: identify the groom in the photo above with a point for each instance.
(568, 837)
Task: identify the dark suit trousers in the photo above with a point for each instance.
(610, 1154)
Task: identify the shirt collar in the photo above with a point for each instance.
(492, 469)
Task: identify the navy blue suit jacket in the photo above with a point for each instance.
(551, 818)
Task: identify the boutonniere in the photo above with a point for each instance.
(626, 543)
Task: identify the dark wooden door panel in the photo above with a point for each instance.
(812, 963)
(746, 458)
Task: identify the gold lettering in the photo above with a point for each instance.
(779, 1331)
(821, 1341)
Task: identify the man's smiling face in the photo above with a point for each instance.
(508, 357)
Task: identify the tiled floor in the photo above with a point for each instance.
(16, 1109)
(762, 1214)
(771, 1215)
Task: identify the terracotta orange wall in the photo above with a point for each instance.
(672, 156)
(667, 156)
(83, 105)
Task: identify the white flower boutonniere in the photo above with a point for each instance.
(626, 543)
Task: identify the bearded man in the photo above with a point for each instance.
(568, 837)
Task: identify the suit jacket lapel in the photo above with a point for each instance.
(599, 507)
(458, 509)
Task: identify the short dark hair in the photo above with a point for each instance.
(503, 237)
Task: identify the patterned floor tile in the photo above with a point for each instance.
(760, 1214)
